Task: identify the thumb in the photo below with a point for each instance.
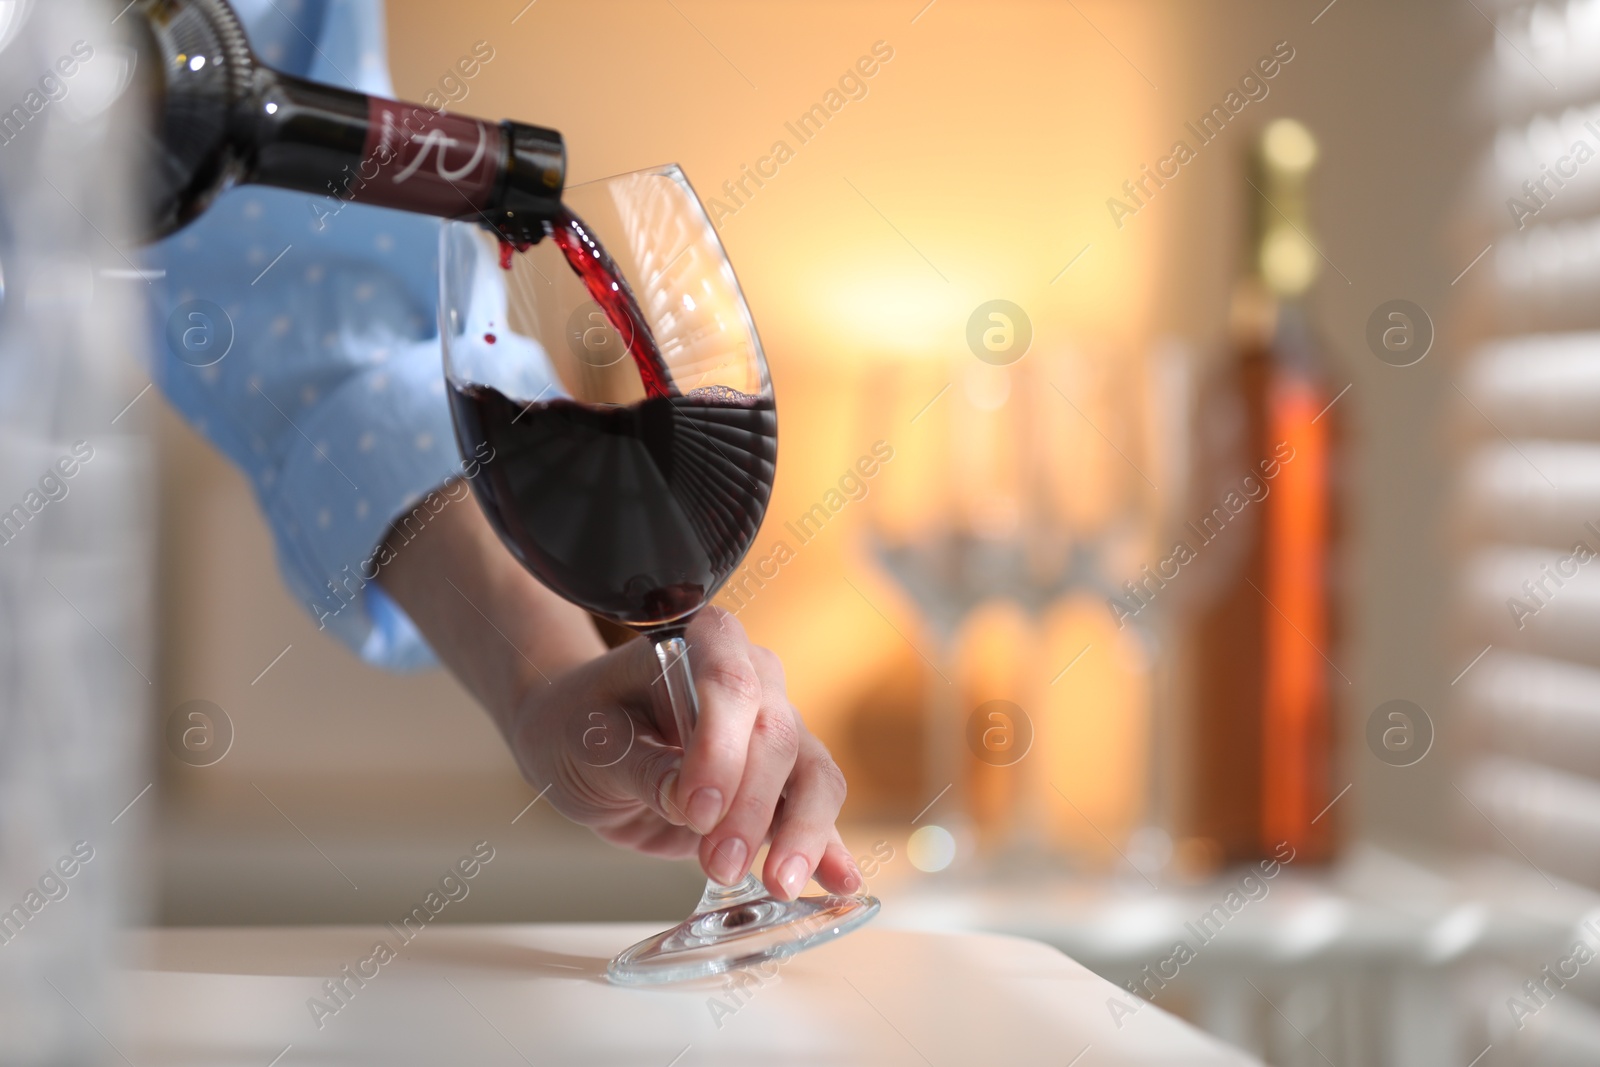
(649, 774)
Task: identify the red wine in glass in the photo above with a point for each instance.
(635, 512)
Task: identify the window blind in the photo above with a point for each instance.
(1529, 406)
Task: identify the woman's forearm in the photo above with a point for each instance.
(490, 622)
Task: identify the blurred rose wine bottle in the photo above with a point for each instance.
(1264, 686)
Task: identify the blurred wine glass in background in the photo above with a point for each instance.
(1021, 498)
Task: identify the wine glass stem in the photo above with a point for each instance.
(672, 652)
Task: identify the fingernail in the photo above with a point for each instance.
(852, 879)
(669, 789)
(727, 860)
(793, 874)
(705, 808)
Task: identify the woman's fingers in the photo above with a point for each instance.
(837, 872)
(804, 833)
(774, 745)
(611, 765)
(645, 832)
(729, 689)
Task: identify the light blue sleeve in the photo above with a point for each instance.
(331, 397)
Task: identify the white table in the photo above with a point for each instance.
(1381, 960)
(537, 994)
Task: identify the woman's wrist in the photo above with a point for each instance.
(499, 630)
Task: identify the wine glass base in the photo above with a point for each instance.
(712, 942)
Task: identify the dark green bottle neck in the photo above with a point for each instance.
(348, 147)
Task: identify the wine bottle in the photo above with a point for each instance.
(215, 115)
(1264, 684)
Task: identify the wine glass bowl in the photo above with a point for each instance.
(663, 244)
(632, 487)
(610, 388)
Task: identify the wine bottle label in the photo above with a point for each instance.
(430, 161)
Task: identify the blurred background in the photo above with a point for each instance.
(1081, 348)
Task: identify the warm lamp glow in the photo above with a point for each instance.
(890, 314)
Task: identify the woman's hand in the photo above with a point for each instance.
(602, 737)
(595, 729)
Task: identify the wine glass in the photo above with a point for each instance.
(630, 486)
